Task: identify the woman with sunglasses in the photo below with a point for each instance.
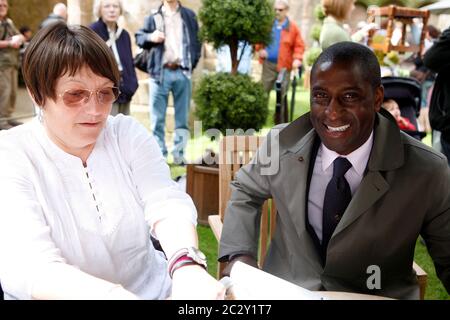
(81, 191)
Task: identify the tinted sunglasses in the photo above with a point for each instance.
(79, 97)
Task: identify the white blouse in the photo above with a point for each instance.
(97, 219)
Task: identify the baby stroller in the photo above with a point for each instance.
(407, 93)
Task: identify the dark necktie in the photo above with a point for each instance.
(337, 198)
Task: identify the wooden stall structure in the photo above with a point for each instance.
(396, 14)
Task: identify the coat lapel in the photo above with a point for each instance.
(297, 183)
(372, 188)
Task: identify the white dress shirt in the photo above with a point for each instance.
(55, 211)
(173, 43)
(323, 172)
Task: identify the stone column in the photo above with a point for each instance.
(302, 12)
(80, 11)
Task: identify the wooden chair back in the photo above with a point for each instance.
(236, 151)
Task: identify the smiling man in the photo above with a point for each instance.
(353, 192)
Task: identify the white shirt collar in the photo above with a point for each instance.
(357, 158)
(167, 11)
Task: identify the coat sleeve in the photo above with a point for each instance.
(142, 36)
(198, 47)
(299, 45)
(436, 227)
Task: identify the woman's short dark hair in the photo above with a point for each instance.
(59, 49)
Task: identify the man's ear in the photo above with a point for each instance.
(379, 97)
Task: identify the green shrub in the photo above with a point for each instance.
(318, 12)
(311, 55)
(316, 29)
(224, 101)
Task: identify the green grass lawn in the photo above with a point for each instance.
(207, 241)
(435, 289)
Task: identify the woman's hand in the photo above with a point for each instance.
(192, 282)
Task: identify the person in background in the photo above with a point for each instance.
(284, 52)
(352, 191)
(59, 14)
(437, 59)
(171, 34)
(424, 75)
(403, 123)
(333, 30)
(82, 191)
(10, 42)
(118, 39)
(28, 34)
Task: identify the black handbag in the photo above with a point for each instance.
(141, 59)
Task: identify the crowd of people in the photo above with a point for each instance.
(86, 192)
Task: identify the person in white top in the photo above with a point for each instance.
(81, 191)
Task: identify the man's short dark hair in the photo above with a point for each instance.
(351, 53)
(24, 29)
(59, 49)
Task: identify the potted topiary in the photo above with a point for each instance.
(231, 100)
(228, 101)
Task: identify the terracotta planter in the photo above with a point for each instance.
(202, 184)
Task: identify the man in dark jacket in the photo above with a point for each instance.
(59, 14)
(171, 36)
(437, 58)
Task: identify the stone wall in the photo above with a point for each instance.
(30, 12)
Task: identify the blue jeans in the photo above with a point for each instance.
(179, 84)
